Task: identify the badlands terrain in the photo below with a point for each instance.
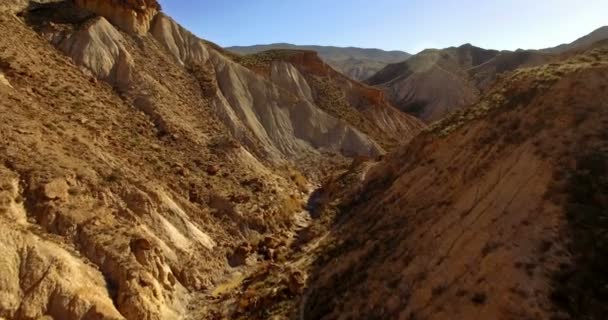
(149, 174)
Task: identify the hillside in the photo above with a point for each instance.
(356, 63)
(137, 160)
(149, 174)
(496, 212)
(363, 107)
(434, 82)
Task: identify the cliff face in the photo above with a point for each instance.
(362, 106)
(132, 16)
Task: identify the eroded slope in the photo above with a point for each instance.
(483, 216)
(435, 82)
(363, 107)
(134, 161)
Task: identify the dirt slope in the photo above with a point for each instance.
(110, 196)
(434, 82)
(363, 107)
(490, 214)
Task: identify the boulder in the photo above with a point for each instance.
(57, 189)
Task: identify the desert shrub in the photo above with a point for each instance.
(416, 108)
(299, 180)
(479, 298)
(113, 176)
(582, 290)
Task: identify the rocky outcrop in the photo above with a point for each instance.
(133, 16)
(183, 45)
(41, 277)
(99, 48)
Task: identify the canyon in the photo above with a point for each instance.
(146, 173)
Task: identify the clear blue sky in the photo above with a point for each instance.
(410, 25)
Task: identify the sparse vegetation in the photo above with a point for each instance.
(582, 289)
(114, 176)
(479, 298)
(262, 60)
(160, 184)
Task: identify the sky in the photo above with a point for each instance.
(408, 25)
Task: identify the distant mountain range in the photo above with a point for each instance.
(357, 63)
(434, 82)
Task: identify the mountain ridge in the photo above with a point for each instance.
(357, 63)
(467, 80)
(598, 34)
(462, 73)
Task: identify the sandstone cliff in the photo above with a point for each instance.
(130, 15)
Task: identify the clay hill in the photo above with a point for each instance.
(137, 161)
(362, 106)
(356, 63)
(435, 82)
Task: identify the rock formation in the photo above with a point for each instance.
(132, 16)
(363, 107)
